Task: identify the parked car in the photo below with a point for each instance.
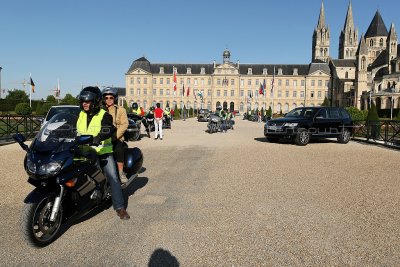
(60, 109)
(203, 115)
(305, 123)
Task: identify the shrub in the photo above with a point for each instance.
(23, 109)
(325, 103)
(356, 114)
(372, 113)
(177, 114)
(45, 108)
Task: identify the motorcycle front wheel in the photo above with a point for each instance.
(37, 229)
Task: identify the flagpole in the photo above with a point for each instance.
(58, 90)
(30, 91)
(273, 83)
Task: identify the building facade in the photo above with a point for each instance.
(367, 69)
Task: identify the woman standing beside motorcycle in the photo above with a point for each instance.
(120, 121)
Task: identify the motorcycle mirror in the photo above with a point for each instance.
(84, 139)
(20, 139)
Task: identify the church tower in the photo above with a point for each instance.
(321, 37)
(391, 46)
(348, 38)
(361, 82)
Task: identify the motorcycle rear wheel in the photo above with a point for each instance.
(37, 229)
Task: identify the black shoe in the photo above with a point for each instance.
(161, 138)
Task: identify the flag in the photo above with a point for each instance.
(174, 80)
(261, 91)
(188, 90)
(32, 85)
(183, 90)
(264, 87)
(272, 83)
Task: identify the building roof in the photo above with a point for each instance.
(377, 27)
(379, 61)
(324, 67)
(347, 63)
(140, 63)
(258, 69)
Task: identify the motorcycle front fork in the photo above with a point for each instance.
(56, 206)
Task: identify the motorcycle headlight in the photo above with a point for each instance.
(50, 168)
(30, 166)
(293, 124)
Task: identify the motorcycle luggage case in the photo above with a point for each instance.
(133, 160)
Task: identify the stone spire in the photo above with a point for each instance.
(321, 39)
(362, 47)
(391, 46)
(348, 37)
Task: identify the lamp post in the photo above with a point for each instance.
(391, 104)
(0, 82)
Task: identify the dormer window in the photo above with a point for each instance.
(203, 71)
(161, 70)
(265, 71)
(295, 71)
(189, 71)
(249, 71)
(280, 71)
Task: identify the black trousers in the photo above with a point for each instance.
(119, 150)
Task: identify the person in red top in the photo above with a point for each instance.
(158, 116)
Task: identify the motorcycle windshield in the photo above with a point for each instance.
(58, 134)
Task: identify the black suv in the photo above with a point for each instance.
(302, 124)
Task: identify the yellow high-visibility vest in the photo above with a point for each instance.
(94, 129)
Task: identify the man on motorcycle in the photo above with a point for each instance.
(120, 121)
(139, 114)
(97, 122)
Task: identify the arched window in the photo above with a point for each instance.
(218, 104)
(363, 63)
(301, 105)
(278, 107)
(241, 107)
(153, 104)
(168, 104)
(188, 105)
(145, 104)
(256, 105)
(371, 42)
(325, 52)
(286, 108)
(294, 106)
(231, 106)
(321, 52)
(381, 42)
(225, 105)
(174, 105)
(346, 75)
(347, 52)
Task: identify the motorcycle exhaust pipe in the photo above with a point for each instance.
(56, 206)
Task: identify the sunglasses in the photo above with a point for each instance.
(109, 97)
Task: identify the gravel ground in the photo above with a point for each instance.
(229, 200)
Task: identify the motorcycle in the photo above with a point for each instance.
(133, 131)
(150, 121)
(139, 120)
(214, 123)
(68, 180)
(167, 121)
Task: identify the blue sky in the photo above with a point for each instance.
(93, 42)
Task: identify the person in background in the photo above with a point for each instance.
(97, 122)
(172, 114)
(158, 116)
(120, 121)
(138, 115)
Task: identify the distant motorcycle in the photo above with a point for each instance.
(167, 121)
(214, 123)
(67, 177)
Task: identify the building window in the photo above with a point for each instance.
(241, 82)
(202, 81)
(371, 42)
(131, 82)
(209, 93)
(279, 71)
(232, 92)
(181, 81)
(294, 83)
(302, 83)
(138, 92)
(249, 82)
(346, 75)
(168, 80)
(225, 92)
(154, 80)
(249, 71)
(218, 92)
(279, 93)
(319, 83)
(138, 80)
(287, 93)
(154, 92)
(189, 71)
(265, 72)
(195, 81)
(287, 82)
(302, 94)
(312, 94)
(232, 81)
(241, 93)
(312, 83)
(319, 94)
(381, 42)
(241, 107)
(202, 71)
(167, 92)
(161, 70)
(295, 71)
(132, 91)
(279, 82)
(218, 81)
(145, 80)
(326, 83)
(161, 92)
(145, 91)
(209, 81)
(257, 81)
(294, 94)
(363, 63)
(188, 81)
(161, 81)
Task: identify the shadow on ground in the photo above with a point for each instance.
(161, 258)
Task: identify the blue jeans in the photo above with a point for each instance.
(109, 168)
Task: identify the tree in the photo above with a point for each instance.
(45, 108)
(19, 95)
(38, 108)
(356, 114)
(177, 114)
(372, 113)
(23, 109)
(372, 123)
(325, 103)
(269, 112)
(70, 100)
(51, 99)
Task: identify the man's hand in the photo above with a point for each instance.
(96, 141)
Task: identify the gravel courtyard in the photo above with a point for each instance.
(228, 199)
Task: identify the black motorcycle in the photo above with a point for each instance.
(167, 121)
(214, 123)
(67, 178)
(140, 120)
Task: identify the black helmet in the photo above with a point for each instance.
(135, 105)
(110, 91)
(92, 94)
